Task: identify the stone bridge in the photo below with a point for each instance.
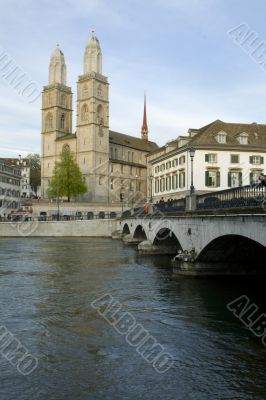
(206, 244)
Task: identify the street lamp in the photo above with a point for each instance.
(136, 189)
(151, 179)
(192, 155)
(57, 197)
(122, 196)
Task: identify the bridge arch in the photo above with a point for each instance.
(126, 230)
(234, 248)
(166, 238)
(140, 233)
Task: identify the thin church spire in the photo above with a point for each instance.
(144, 128)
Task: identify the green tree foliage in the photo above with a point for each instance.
(35, 171)
(67, 179)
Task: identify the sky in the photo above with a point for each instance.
(178, 51)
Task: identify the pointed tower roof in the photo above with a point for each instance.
(93, 41)
(144, 128)
(58, 55)
(57, 68)
(93, 55)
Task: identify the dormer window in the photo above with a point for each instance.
(243, 138)
(221, 137)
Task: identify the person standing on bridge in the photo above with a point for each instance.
(262, 179)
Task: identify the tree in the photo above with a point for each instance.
(67, 179)
(35, 171)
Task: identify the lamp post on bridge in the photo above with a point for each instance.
(192, 155)
(122, 196)
(57, 198)
(151, 179)
(191, 199)
(136, 190)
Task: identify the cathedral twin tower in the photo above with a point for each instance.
(90, 143)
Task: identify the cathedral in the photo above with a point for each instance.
(111, 163)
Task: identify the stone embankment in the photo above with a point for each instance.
(86, 228)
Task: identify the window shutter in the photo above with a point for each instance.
(207, 157)
(251, 159)
(206, 178)
(240, 178)
(251, 178)
(262, 160)
(218, 179)
(229, 179)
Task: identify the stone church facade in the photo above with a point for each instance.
(111, 163)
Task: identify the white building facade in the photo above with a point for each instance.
(24, 164)
(10, 188)
(226, 155)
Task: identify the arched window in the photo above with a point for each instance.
(99, 114)
(99, 90)
(84, 113)
(85, 90)
(62, 121)
(49, 121)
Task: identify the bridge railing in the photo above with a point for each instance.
(244, 196)
(21, 216)
(171, 205)
(158, 209)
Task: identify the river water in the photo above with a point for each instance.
(47, 286)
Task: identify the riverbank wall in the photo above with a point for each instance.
(85, 228)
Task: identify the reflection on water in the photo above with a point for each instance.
(47, 286)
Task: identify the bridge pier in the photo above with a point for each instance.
(188, 267)
(130, 240)
(202, 244)
(147, 247)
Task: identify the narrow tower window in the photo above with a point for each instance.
(49, 100)
(84, 112)
(99, 114)
(63, 100)
(62, 121)
(85, 91)
(99, 91)
(49, 121)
